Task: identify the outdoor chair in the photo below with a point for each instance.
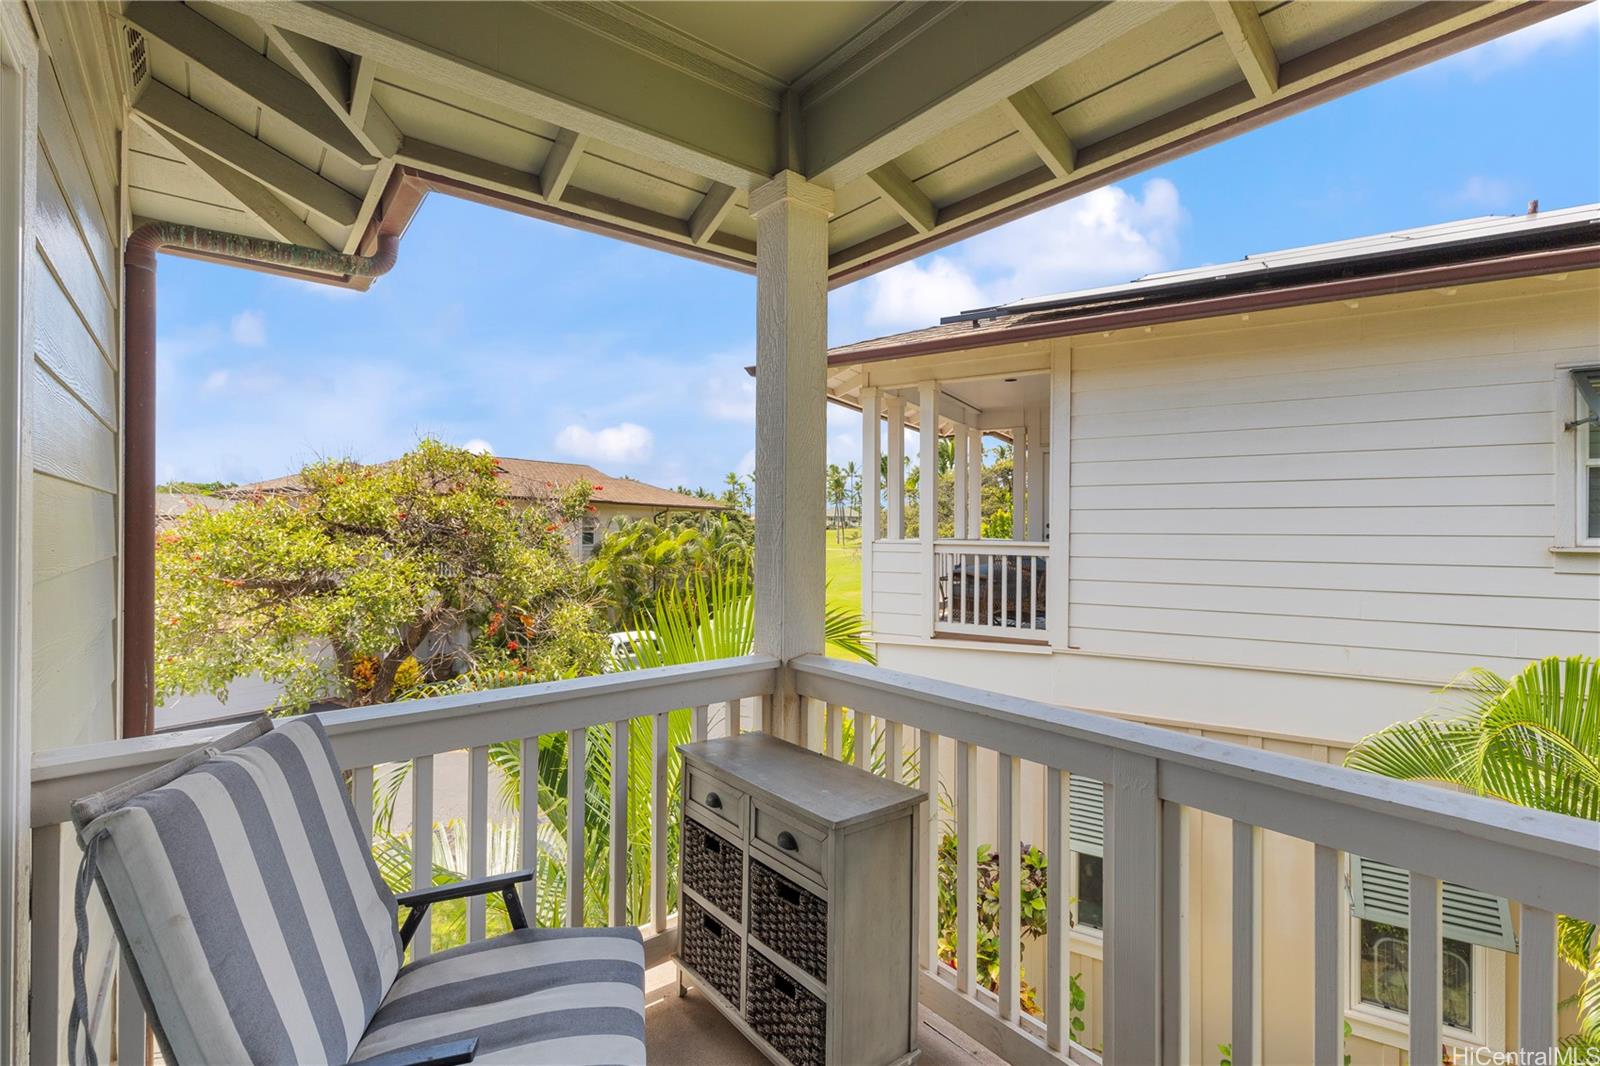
(257, 928)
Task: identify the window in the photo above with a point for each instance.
(588, 532)
(1384, 973)
(1091, 898)
(1086, 817)
(1586, 427)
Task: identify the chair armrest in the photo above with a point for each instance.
(445, 1053)
(505, 884)
(478, 886)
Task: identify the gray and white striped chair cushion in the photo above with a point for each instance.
(573, 997)
(260, 926)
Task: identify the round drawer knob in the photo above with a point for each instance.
(787, 842)
(713, 801)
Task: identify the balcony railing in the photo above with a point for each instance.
(930, 734)
(990, 588)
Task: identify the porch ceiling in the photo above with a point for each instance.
(930, 120)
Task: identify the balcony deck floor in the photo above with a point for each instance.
(689, 1031)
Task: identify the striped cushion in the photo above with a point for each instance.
(531, 996)
(259, 922)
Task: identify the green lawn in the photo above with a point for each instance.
(844, 570)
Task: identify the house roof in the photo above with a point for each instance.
(170, 506)
(536, 479)
(1486, 248)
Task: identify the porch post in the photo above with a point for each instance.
(1057, 574)
(928, 495)
(974, 483)
(791, 426)
(871, 483)
(958, 528)
(897, 468)
(1019, 482)
(1036, 475)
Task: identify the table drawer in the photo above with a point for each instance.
(794, 839)
(789, 919)
(723, 801)
(710, 949)
(714, 868)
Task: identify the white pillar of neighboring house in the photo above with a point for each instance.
(897, 468)
(959, 467)
(1019, 481)
(871, 485)
(1057, 572)
(974, 527)
(1036, 474)
(791, 427)
(928, 493)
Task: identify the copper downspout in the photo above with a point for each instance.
(139, 421)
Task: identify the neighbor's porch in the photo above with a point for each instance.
(931, 735)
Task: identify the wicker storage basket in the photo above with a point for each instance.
(789, 920)
(714, 868)
(710, 949)
(785, 1015)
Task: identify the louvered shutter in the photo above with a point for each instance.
(1087, 815)
(1382, 893)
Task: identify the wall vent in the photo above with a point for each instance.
(138, 58)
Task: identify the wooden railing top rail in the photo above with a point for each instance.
(363, 736)
(1547, 860)
(993, 544)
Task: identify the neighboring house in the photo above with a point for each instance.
(540, 481)
(1303, 491)
(171, 506)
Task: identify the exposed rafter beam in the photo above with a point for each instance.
(904, 196)
(969, 58)
(436, 159)
(1032, 118)
(562, 163)
(561, 71)
(1248, 40)
(252, 74)
(261, 202)
(331, 78)
(216, 136)
(712, 209)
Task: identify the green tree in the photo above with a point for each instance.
(336, 590)
(838, 495)
(1532, 740)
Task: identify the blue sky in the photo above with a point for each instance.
(539, 341)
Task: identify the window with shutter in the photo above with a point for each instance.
(1586, 382)
(1087, 815)
(1381, 893)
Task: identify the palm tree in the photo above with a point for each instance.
(838, 492)
(1534, 741)
(852, 481)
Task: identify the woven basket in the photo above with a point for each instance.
(789, 920)
(710, 949)
(714, 868)
(785, 1015)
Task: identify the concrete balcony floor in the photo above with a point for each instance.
(689, 1031)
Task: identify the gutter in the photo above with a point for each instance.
(139, 417)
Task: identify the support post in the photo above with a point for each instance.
(1036, 474)
(1057, 574)
(871, 485)
(928, 496)
(974, 483)
(897, 468)
(958, 528)
(791, 425)
(1019, 482)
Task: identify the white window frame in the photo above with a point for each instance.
(1572, 538)
(1584, 536)
(1399, 1022)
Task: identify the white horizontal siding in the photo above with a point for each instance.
(1369, 494)
(897, 589)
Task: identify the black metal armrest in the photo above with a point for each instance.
(445, 1053)
(419, 900)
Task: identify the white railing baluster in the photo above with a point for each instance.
(528, 825)
(1005, 598)
(928, 826)
(1132, 967)
(1246, 948)
(700, 724)
(1424, 953)
(966, 870)
(661, 737)
(361, 793)
(1327, 1043)
(893, 750)
(863, 742)
(1174, 934)
(1536, 981)
(734, 717)
(836, 731)
(1058, 936)
(621, 749)
(1008, 816)
(577, 773)
(422, 846)
(477, 836)
(812, 710)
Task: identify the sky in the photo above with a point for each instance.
(537, 341)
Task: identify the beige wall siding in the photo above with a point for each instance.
(1370, 492)
(77, 400)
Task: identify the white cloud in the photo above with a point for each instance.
(730, 394)
(626, 442)
(248, 329)
(1105, 236)
(747, 464)
(1483, 193)
(1559, 33)
(215, 381)
(479, 446)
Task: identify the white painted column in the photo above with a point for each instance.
(1036, 474)
(871, 484)
(1019, 482)
(897, 468)
(928, 494)
(1057, 573)
(958, 527)
(791, 425)
(974, 483)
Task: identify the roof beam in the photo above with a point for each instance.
(437, 159)
(180, 117)
(562, 163)
(969, 57)
(334, 80)
(561, 71)
(708, 216)
(1247, 39)
(904, 196)
(1038, 126)
(259, 79)
(261, 202)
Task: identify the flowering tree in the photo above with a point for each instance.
(337, 590)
